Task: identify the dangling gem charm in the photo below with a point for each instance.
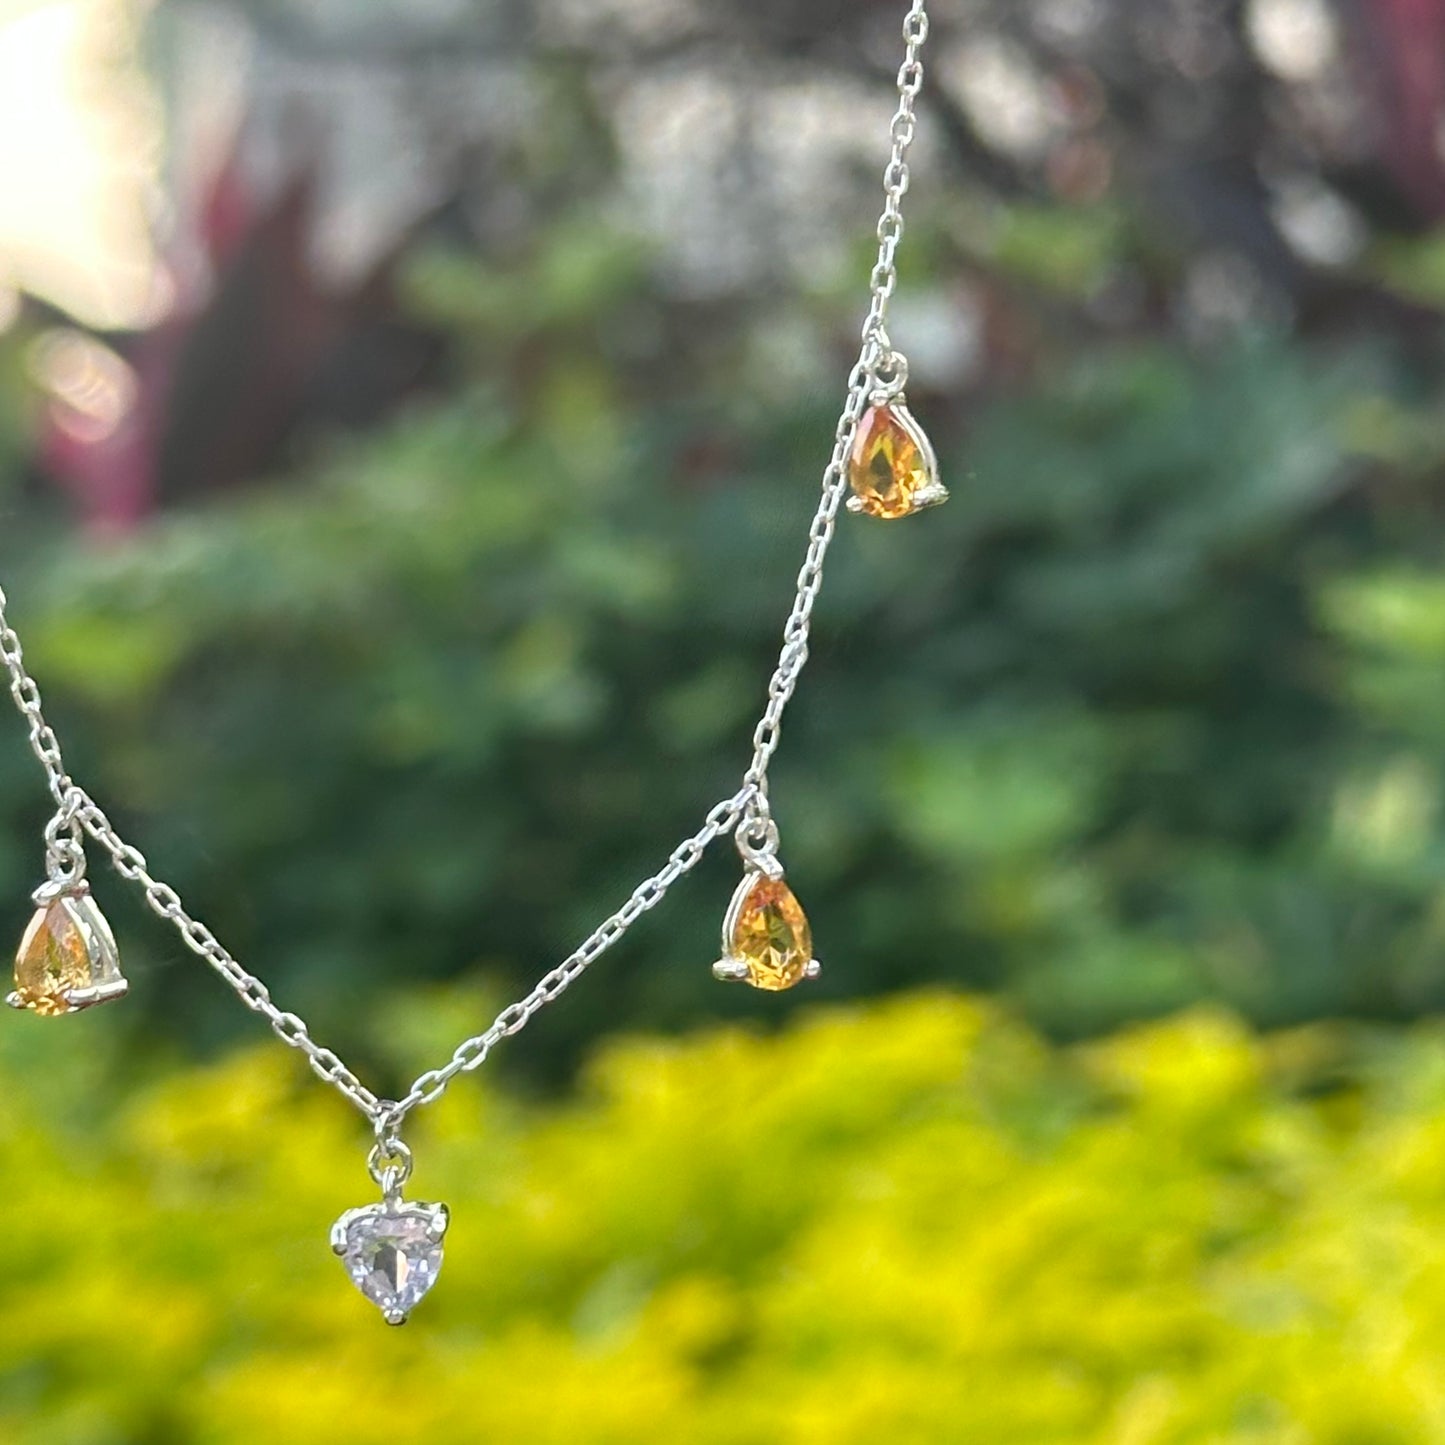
(766, 941)
(392, 1250)
(67, 959)
(892, 468)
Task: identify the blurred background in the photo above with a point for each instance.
(410, 416)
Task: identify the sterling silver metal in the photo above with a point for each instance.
(877, 354)
(877, 368)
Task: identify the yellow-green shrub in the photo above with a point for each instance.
(910, 1222)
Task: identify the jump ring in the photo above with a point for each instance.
(757, 840)
(890, 374)
(389, 1164)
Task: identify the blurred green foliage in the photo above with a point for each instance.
(1139, 718)
(909, 1221)
(1147, 714)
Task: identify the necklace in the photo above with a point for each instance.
(68, 960)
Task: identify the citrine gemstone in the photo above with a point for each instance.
(67, 959)
(771, 936)
(54, 958)
(890, 468)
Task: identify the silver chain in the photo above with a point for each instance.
(387, 1115)
(876, 352)
(472, 1052)
(43, 742)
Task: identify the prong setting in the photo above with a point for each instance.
(393, 1252)
(765, 936)
(83, 998)
(67, 960)
(890, 440)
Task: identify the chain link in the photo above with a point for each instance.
(876, 351)
(43, 742)
(165, 902)
(472, 1052)
(387, 1115)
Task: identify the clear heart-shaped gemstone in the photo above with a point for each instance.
(393, 1253)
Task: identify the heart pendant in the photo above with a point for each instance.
(393, 1252)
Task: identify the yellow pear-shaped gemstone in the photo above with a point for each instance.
(54, 958)
(771, 935)
(67, 959)
(891, 468)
